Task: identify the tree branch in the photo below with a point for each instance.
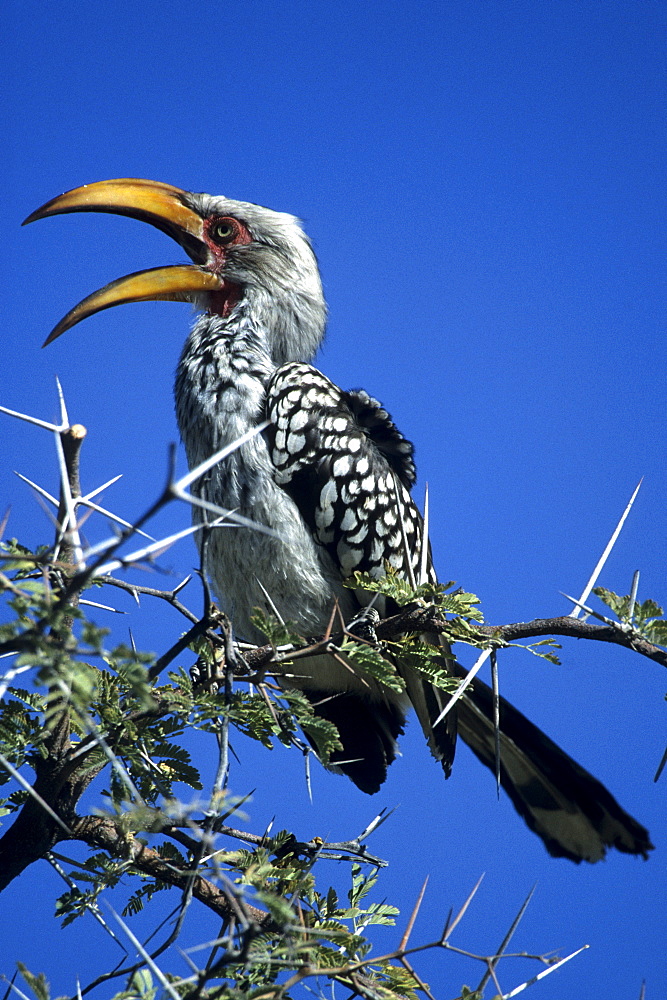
(417, 620)
(104, 833)
(577, 629)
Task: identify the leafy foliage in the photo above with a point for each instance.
(129, 730)
(277, 633)
(392, 585)
(645, 619)
(89, 710)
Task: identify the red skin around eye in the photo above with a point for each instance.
(223, 302)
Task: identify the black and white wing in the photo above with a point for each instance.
(349, 470)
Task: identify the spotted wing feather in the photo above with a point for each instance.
(347, 468)
(377, 424)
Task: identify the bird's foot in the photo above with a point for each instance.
(363, 626)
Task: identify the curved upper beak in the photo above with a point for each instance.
(163, 206)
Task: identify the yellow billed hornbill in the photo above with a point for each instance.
(331, 475)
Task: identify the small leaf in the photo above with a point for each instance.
(277, 633)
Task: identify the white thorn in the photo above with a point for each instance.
(605, 555)
(38, 489)
(474, 670)
(203, 467)
(633, 596)
(64, 416)
(423, 569)
(157, 548)
(32, 420)
(99, 489)
(541, 975)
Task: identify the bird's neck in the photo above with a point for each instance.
(228, 359)
(220, 382)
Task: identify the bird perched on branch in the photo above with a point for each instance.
(330, 477)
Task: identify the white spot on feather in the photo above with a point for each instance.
(349, 520)
(341, 466)
(349, 558)
(299, 420)
(323, 516)
(358, 536)
(295, 443)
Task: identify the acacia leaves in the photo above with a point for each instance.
(644, 618)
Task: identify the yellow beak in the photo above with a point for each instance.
(163, 206)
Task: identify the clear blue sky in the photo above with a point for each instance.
(482, 184)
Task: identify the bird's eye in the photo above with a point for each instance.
(224, 230)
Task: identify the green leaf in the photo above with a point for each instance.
(370, 661)
(413, 654)
(399, 981)
(643, 619)
(277, 633)
(399, 589)
(655, 632)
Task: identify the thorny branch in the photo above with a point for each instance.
(104, 833)
(417, 620)
(420, 619)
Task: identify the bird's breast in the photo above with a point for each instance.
(282, 569)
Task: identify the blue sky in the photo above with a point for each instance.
(482, 186)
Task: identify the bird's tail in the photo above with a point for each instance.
(575, 816)
(572, 812)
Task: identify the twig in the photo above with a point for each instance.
(424, 619)
(164, 595)
(505, 941)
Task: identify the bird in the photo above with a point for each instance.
(323, 488)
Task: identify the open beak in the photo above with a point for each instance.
(163, 206)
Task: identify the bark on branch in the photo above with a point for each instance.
(102, 832)
(417, 620)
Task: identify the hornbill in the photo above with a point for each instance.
(331, 476)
